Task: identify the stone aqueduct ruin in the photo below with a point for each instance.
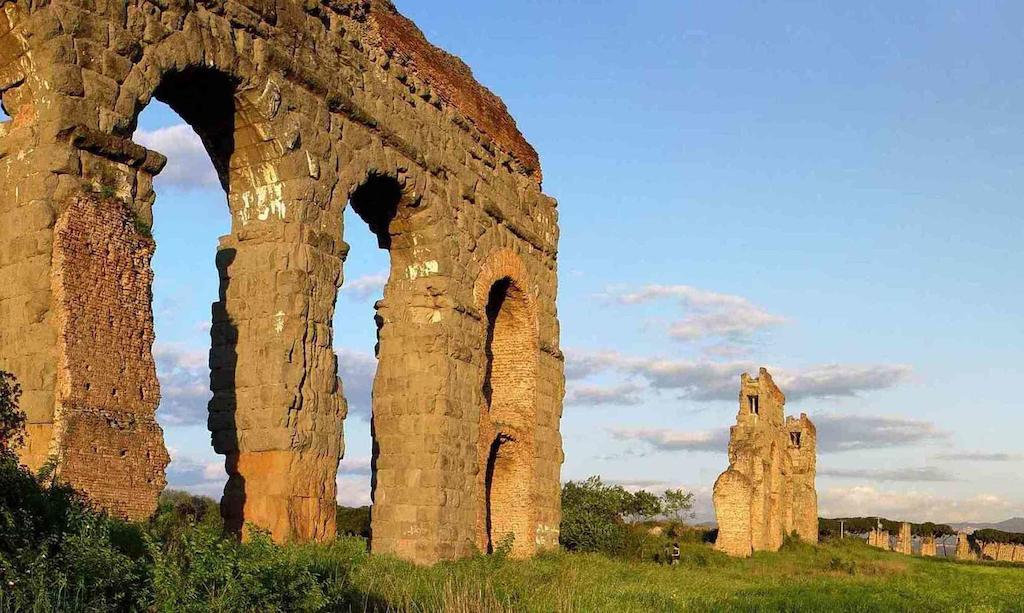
(304, 106)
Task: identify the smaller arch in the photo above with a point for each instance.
(507, 423)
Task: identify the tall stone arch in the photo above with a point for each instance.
(299, 104)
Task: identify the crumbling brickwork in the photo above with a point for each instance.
(768, 491)
(303, 107)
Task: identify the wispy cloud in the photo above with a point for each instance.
(356, 370)
(921, 474)
(353, 491)
(979, 456)
(188, 164)
(626, 394)
(367, 286)
(663, 439)
(707, 314)
(184, 377)
(836, 433)
(915, 506)
(840, 380)
(359, 465)
(205, 476)
(704, 380)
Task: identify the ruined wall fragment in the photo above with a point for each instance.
(928, 548)
(904, 542)
(768, 490)
(964, 551)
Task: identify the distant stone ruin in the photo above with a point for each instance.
(904, 540)
(964, 551)
(928, 548)
(880, 538)
(768, 491)
(305, 107)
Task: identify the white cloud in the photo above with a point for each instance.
(915, 506)
(704, 380)
(856, 432)
(594, 395)
(836, 433)
(979, 456)
(353, 491)
(663, 439)
(709, 314)
(922, 474)
(367, 286)
(197, 475)
(188, 163)
(359, 465)
(840, 380)
(184, 377)
(357, 370)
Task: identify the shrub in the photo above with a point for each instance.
(56, 553)
(592, 516)
(354, 521)
(12, 418)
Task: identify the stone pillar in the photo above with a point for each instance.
(277, 410)
(928, 549)
(732, 499)
(904, 542)
(963, 547)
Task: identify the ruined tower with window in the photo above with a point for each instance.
(304, 108)
(768, 490)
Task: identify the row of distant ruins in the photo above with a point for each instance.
(928, 546)
(768, 491)
(305, 108)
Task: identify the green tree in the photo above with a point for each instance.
(12, 418)
(678, 504)
(592, 516)
(641, 505)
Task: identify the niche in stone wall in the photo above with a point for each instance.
(507, 428)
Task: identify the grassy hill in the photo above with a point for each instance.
(838, 576)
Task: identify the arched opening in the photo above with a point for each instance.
(507, 423)
(217, 127)
(189, 218)
(367, 271)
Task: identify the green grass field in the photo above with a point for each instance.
(843, 576)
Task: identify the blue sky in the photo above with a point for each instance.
(829, 191)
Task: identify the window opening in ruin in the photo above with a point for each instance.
(374, 205)
(189, 216)
(754, 406)
(794, 438)
(508, 389)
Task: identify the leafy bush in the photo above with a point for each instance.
(354, 521)
(12, 418)
(592, 516)
(594, 519)
(56, 553)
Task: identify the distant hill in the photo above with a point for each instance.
(1014, 524)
